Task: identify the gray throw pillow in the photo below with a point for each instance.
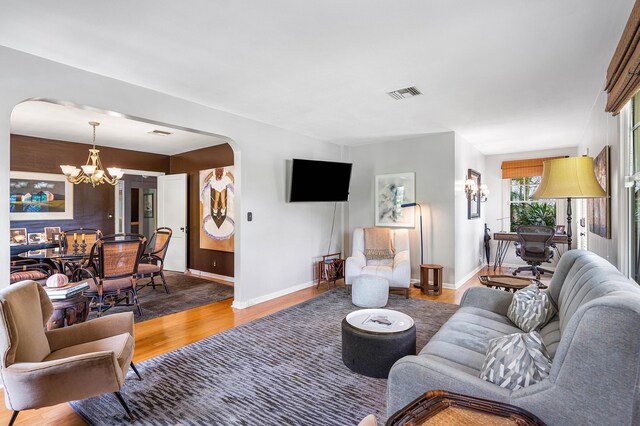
(530, 308)
(516, 361)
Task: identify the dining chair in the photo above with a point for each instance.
(87, 236)
(152, 263)
(43, 368)
(116, 277)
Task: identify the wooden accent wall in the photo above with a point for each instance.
(191, 163)
(91, 206)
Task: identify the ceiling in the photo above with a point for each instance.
(507, 75)
(59, 122)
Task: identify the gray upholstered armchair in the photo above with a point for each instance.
(41, 369)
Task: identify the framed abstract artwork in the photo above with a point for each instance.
(217, 218)
(599, 209)
(391, 191)
(40, 196)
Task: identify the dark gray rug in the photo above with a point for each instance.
(283, 369)
(186, 292)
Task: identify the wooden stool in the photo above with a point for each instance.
(436, 287)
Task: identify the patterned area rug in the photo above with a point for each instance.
(283, 369)
(186, 292)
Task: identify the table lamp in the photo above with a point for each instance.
(571, 177)
(417, 285)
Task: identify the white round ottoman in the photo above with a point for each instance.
(369, 291)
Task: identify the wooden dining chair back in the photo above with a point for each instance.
(87, 236)
(152, 262)
(116, 277)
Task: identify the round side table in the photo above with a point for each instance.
(436, 287)
(73, 310)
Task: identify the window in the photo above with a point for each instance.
(523, 210)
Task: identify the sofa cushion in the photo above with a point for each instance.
(121, 345)
(516, 361)
(462, 342)
(530, 308)
(550, 334)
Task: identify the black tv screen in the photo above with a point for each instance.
(319, 181)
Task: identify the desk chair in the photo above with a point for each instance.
(534, 248)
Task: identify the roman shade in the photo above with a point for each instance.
(524, 168)
(623, 74)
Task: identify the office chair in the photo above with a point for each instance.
(534, 248)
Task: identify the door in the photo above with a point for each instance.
(172, 213)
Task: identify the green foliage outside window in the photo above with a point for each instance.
(527, 211)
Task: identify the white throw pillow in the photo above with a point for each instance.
(530, 308)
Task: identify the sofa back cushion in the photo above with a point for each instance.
(582, 276)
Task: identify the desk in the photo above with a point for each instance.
(504, 240)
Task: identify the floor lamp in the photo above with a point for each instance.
(417, 285)
(571, 177)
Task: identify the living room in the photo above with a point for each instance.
(521, 82)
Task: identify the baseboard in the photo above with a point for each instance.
(211, 275)
(260, 299)
(466, 278)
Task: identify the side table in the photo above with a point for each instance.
(436, 287)
(440, 407)
(73, 310)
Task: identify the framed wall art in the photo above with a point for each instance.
(473, 204)
(599, 209)
(217, 218)
(390, 192)
(40, 196)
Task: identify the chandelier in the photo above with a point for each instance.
(92, 172)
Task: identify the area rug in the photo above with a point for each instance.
(283, 369)
(186, 292)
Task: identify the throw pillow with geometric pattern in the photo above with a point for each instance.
(516, 361)
(530, 308)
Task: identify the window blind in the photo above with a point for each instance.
(623, 74)
(524, 168)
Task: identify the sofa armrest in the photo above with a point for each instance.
(41, 384)
(95, 329)
(490, 299)
(354, 265)
(401, 269)
(412, 376)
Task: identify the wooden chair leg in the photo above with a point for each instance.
(124, 405)
(164, 282)
(13, 417)
(135, 370)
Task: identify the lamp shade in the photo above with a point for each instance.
(571, 177)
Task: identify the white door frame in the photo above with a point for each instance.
(119, 208)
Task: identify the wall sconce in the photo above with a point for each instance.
(475, 193)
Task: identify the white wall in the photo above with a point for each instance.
(469, 233)
(431, 157)
(495, 207)
(274, 253)
(604, 129)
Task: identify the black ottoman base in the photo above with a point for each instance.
(373, 355)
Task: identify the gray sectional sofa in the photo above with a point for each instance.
(594, 340)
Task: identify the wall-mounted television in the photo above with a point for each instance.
(311, 180)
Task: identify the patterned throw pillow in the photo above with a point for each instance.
(516, 361)
(530, 308)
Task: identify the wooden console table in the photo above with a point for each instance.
(330, 269)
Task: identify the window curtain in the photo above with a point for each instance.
(524, 168)
(623, 74)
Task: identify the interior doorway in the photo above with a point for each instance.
(136, 203)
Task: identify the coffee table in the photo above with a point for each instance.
(509, 282)
(374, 339)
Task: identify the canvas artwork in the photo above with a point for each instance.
(40, 196)
(217, 219)
(391, 191)
(148, 206)
(599, 209)
(18, 236)
(49, 231)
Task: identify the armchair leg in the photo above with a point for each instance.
(135, 370)
(164, 282)
(124, 405)
(13, 417)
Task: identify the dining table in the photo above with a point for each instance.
(59, 256)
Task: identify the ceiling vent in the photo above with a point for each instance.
(159, 133)
(407, 92)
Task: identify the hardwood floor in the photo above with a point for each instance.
(161, 335)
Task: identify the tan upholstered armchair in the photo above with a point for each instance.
(41, 368)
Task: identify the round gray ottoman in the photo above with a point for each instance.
(372, 350)
(370, 291)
